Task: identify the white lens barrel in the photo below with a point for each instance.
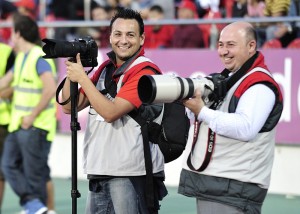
(167, 89)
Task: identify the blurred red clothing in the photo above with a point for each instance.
(206, 28)
(160, 38)
(187, 36)
(5, 35)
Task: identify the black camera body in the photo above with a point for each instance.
(87, 47)
(220, 87)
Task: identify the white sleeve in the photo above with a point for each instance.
(189, 113)
(251, 114)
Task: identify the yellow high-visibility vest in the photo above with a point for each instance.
(27, 93)
(4, 103)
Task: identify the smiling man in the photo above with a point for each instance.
(228, 167)
(113, 145)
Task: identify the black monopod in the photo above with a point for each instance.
(88, 50)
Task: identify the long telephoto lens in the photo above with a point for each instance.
(166, 88)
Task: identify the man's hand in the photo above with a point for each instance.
(27, 121)
(75, 71)
(194, 103)
(6, 93)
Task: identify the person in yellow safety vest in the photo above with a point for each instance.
(7, 57)
(33, 123)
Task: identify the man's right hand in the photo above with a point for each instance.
(195, 103)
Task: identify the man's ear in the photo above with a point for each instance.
(252, 45)
(142, 39)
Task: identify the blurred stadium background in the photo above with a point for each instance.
(284, 192)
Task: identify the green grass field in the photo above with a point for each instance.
(172, 204)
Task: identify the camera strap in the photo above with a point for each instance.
(212, 135)
(60, 87)
(209, 148)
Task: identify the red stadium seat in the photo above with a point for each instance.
(295, 43)
(273, 43)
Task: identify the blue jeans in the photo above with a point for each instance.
(24, 163)
(115, 195)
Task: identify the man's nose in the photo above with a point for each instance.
(123, 39)
(223, 51)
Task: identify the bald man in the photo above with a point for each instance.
(227, 167)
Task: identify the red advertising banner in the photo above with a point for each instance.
(284, 65)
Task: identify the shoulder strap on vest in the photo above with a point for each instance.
(261, 76)
(136, 115)
(138, 61)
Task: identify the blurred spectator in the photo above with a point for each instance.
(223, 6)
(206, 6)
(255, 8)
(285, 32)
(100, 34)
(228, 8)
(111, 5)
(298, 14)
(295, 11)
(25, 36)
(6, 10)
(168, 7)
(7, 57)
(275, 8)
(139, 5)
(62, 10)
(142, 6)
(189, 35)
(158, 36)
(30, 8)
(106, 3)
(239, 8)
(281, 31)
(27, 8)
(209, 9)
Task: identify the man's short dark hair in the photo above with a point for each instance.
(27, 28)
(251, 33)
(157, 8)
(127, 13)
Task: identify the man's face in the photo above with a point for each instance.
(233, 48)
(15, 37)
(155, 15)
(125, 39)
(185, 13)
(99, 14)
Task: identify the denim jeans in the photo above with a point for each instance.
(3, 134)
(24, 163)
(114, 196)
